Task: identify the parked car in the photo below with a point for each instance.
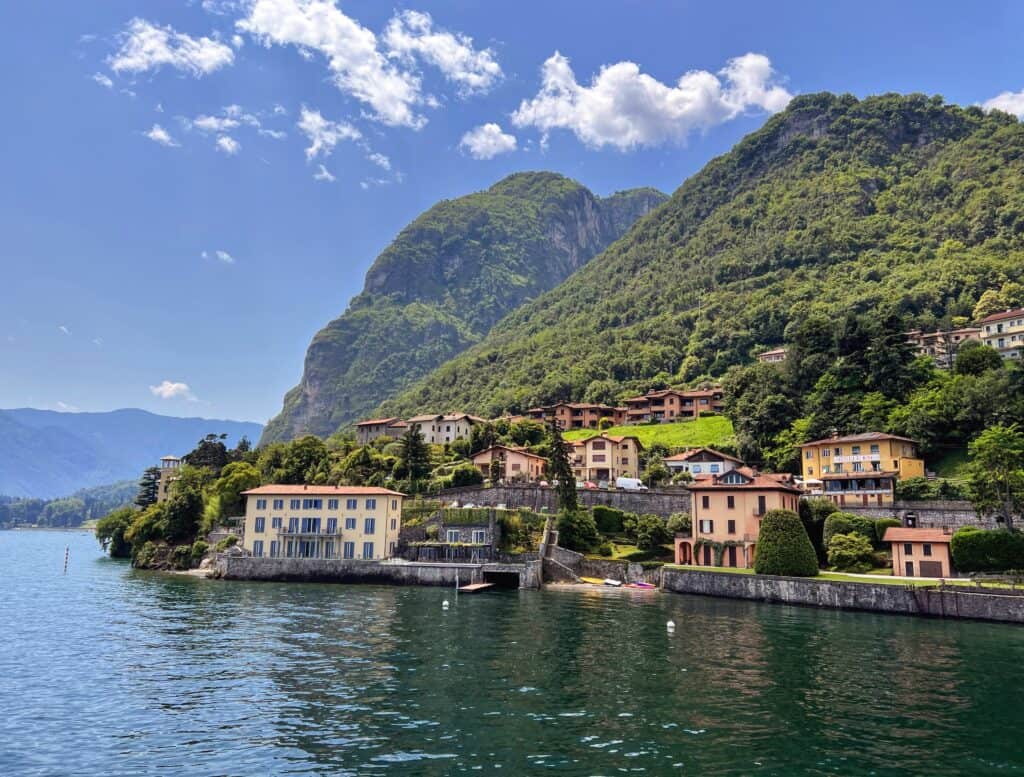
(590, 484)
(630, 484)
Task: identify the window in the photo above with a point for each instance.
(370, 526)
(349, 550)
(367, 550)
(394, 504)
(261, 523)
(625, 461)
(810, 470)
(874, 448)
(296, 503)
(293, 525)
(908, 549)
(332, 525)
(857, 467)
(257, 548)
(311, 525)
(839, 451)
(275, 548)
(278, 504)
(809, 455)
(762, 506)
(826, 469)
(730, 502)
(479, 536)
(312, 504)
(731, 527)
(705, 502)
(371, 504)
(927, 549)
(350, 523)
(351, 504)
(598, 457)
(275, 523)
(598, 445)
(394, 524)
(451, 535)
(825, 452)
(328, 550)
(332, 504)
(855, 450)
(714, 469)
(261, 504)
(707, 527)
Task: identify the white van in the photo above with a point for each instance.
(630, 484)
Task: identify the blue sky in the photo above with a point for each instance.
(192, 189)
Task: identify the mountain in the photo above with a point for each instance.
(443, 283)
(835, 205)
(46, 454)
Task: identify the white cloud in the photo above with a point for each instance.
(159, 108)
(353, 57)
(237, 41)
(380, 160)
(487, 141)
(146, 46)
(219, 254)
(411, 34)
(64, 330)
(98, 342)
(323, 174)
(625, 108)
(102, 80)
(1008, 102)
(169, 389)
(228, 145)
(275, 134)
(206, 123)
(324, 134)
(239, 113)
(64, 407)
(159, 135)
(280, 110)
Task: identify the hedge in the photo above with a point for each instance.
(783, 547)
(608, 519)
(981, 550)
(848, 523)
(813, 513)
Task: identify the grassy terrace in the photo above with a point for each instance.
(710, 431)
(829, 576)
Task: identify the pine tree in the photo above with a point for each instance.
(414, 455)
(560, 470)
(149, 488)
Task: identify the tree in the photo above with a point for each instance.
(850, 553)
(482, 437)
(210, 452)
(413, 457)
(996, 471)
(149, 488)
(783, 547)
(651, 532)
(973, 358)
(236, 477)
(110, 530)
(305, 461)
(560, 470)
(656, 471)
(577, 530)
(494, 471)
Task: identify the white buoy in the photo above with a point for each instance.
(670, 626)
(444, 605)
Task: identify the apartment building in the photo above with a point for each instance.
(604, 457)
(368, 431)
(670, 405)
(1004, 332)
(447, 427)
(577, 415)
(860, 469)
(345, 522)
(515, 463)
(726, 512)
(702, 461)
(774, 356)
(941, 346)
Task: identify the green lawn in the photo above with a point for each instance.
(709, 431)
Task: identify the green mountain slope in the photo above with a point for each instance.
(443, 283)
(835, 205)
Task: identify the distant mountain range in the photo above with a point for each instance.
(47, 454)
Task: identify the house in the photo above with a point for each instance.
(670, 405)
(577, 415)
(604, 457)
(702, 461)
(515, 463)
(726, 512)
(447, 427)
(860, 469)
(941, 347)
(774, 356)
(346, 522)
(1004, 332)
(170, 470)
(920, 552)
(367, 431)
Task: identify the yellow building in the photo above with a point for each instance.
(860, 469)
(346, 522)
(604, 457)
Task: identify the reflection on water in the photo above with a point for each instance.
(111, 671)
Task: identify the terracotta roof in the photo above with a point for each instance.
(522, 451)
(900, 534)
(863, 437)
(685, 456)
(321, 490)
(773, 351)
(685, 393)
(610, 438)
(1000, 316)
(759, 481)
(376, 421)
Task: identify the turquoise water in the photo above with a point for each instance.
(111, 671)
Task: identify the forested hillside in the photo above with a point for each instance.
(840, 218)
(443, 283)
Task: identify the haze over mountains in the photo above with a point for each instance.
(47, 454)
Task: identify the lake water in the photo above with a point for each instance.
(108, 671)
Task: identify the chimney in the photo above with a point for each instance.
(835, 434)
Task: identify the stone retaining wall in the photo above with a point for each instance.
(932, 514)
(906, 600)
(663, 502)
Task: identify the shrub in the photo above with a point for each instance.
(813, 513)
(199, 548)
(783, 547)
(603, 424)
(913, 489)
(651, 532)
(577, 530)
(226, 543)
(882, 525)
(605, 549)
(608, 519)
(848, 523)
(850, 553)
(980, 550)
(629, 525)
(181, 556)
(466, 475)
(432, 531)
(679, 523)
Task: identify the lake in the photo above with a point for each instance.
(109, 671)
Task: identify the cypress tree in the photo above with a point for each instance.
(560, 470)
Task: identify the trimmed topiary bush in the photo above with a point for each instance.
(679, 523)
(813, 513)
(981, 550)
(848, 523)
(577, 530)
(783, 547)
(881, 526)
(608, 519)
(850, 553)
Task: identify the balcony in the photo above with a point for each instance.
(857, 457)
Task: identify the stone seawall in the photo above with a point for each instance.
(933, 514)
(905, 600)
(663, 502)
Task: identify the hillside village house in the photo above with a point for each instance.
(1004, 332)
(346, 522)
(941, 347)
(368, 431)
(920, 552)
(702, 461)
(670, 405)
(860, 469)
(170, 470)
(516, 463)
(774, 356)
(726, 512)
(577, 415)
(603, 458)
(448, 427)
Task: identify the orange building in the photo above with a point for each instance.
(673, 405)
(577, 415)
(516, 463)
(726, 512)
(920, 552)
